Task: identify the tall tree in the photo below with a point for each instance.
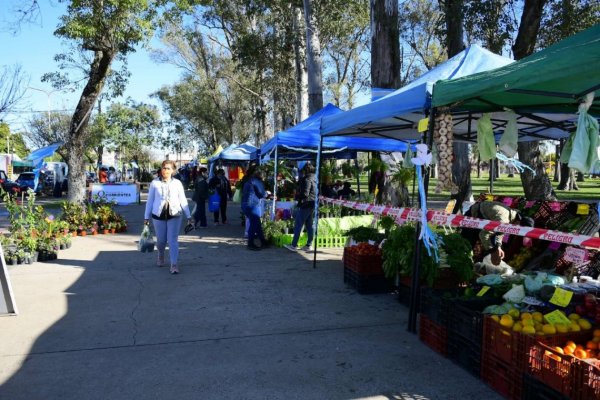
(536, 187)
(12, 87)
(12, 143)
(314, 61)
(300, 64)
(106, 29)
(48, 128)
(385, 46)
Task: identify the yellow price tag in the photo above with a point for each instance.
(557, 317)
(483, 291)
(489, 197)
(583, 209)
(423, 125)
(450, 206)
(561, 297)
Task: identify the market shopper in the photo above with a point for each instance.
(165, 205)
(305, 197)
(492, 241)
(200, 197)
(346, 192)
(221, 185)
(252, 192)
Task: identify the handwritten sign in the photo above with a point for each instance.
(557, 317)
(450, 206)
(483, 291)
(576, 256)
(554, 206)
(561, 297)
(583, 209)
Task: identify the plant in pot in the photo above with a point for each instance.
(29, 245)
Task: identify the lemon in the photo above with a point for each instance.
(495, 318)
(539, 333)
(574, 327)
(538, 316)
(528, 330)
(528, 322)
(513, 312)
(574, 317)
(506, 321)
(561, 328)
(525, 316)
(549, 329)
(517, 327)
(584, 324)
(538, 326)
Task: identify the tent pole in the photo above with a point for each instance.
(316, 210)
(357, 175)
(274, 184)
(492, 174)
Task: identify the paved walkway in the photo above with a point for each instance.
(103, 322)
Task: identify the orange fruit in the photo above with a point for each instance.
(568, 350)
(580, 353)
(591, 345)
(559, 349)
(596, 339)
(592, 354)
(597, 333)
(571, 343)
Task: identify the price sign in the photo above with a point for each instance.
(423, 124)
(561, 297)
(554, 206)
(557, 317)
(583, 209)
(489, 197)
(483, 291)
(576, 256)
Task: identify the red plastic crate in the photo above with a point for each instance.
(502, 377)
(588, 380)
(365, 265)
(433, 335)
(513, 347)
(556, 370)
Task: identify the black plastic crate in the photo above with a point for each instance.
(534, 389)
(367, 284)
(435, 304)
(466, 320)
(465, 353)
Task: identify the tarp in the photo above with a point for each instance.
(243, 152)
(551, 80)
(306, 135)
(215, 155)
(42, 153)
(396, 115)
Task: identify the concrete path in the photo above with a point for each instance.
(103, 322)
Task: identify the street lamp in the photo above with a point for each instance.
(49, 94)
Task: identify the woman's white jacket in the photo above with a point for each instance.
(160, 192)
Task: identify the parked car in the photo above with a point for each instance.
(7, 185)
(26, 180)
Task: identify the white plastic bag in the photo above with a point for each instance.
(515, 295)
(146, 243)
(501, 269)
(510, 137)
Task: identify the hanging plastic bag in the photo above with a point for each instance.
(146, 243)
(237, 196)
(585, 154)
(214, 202)
(510, 137)
(407, 163)
(485, 138)
(565, 155)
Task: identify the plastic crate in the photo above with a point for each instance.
(592, 222)
(502, 377)
(367, 284)
(465, 353)
(533, 389)
(555, 370)
(331, 241)
(321, 241)
(513, 347)
(435, 336)
(283, 239)
(435, 304)
(588, 378)
(466, 318)
(364, 265)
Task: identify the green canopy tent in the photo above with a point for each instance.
(552, 80)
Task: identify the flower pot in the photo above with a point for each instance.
(62, 246)
(14, 261)
(113, 230)
(105, 231)
(74, 233)
(68, 244)
(82, 233)
(27, 260)
(34, 257)
(94, 233)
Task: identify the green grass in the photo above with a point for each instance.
(588, 190)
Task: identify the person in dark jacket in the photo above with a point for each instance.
(221, 185)
(305, 196)
(252, 191)
(200, 196)
(346, 191)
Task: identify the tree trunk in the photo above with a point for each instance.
(453, 16)
(300, 64)
(580, 177)
(315, 64)
(385, 44)
(536, 187)
(557, 163)
(78, 135)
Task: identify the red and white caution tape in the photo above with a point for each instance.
(404, 214)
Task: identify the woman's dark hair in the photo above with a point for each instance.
(308, 168)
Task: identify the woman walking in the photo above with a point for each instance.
(166, 203)
(252, 192)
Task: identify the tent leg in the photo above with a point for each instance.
(415, 284)
(492, 174)
(316, 210)
(357, 176)
(274, 184)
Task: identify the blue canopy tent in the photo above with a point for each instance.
(37, 159)
(243, 152)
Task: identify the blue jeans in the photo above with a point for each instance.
(255, 230)
(167, 231)
(303, 218)
(200, 212)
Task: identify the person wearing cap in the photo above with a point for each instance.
(495, 211)
(200, 196)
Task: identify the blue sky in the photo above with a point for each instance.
(34, 48)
